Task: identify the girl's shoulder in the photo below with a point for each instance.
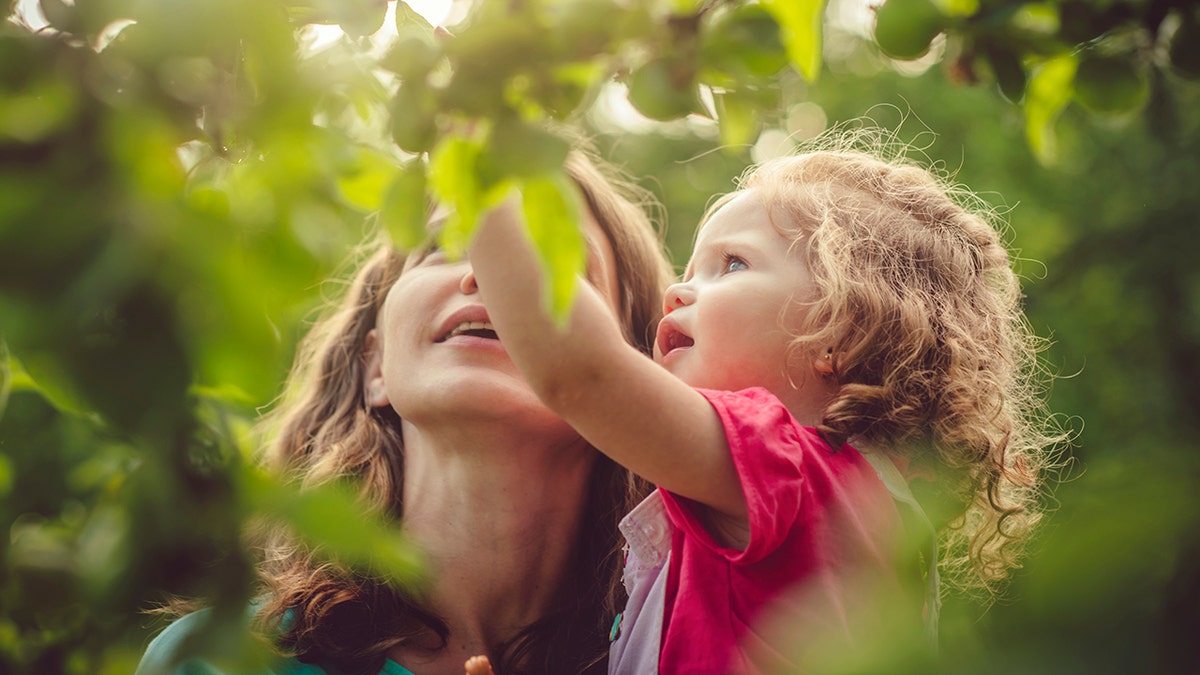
(757, 413)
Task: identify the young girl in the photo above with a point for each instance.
(845, 325)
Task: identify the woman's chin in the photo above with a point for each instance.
(478, 398)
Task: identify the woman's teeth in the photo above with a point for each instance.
(477, 328)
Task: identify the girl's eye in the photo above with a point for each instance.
(733, 263)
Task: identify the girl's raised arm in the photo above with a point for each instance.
(623, 403)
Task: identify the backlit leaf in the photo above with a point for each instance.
(551, 204)
(800, 21)
(405, 206)
(1047, 94)
(364, 185)
(738, 119)
(455, 182)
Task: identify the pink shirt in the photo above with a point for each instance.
(820, 523)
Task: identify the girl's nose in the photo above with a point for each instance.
(467, 284)
(678, 295)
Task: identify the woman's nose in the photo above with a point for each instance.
(467, 284)
(678, 295)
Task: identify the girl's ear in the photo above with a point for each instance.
(374, 387)
(823, 363)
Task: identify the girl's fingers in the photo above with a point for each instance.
(479, 665)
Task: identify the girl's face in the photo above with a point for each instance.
(434, 354)
(729, 322)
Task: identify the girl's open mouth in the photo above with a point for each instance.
(670, 338)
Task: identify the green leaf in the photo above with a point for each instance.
(364, 186)
(1111, 84)
(356, 17)
(414, 122)
(361, 17)
(746, 43)
(455, 180)
(523, 150)
(1010, 74)
(738, 119)
(551, 204)
(405, 206)
(800, 21)
(1047, 94)
(331, 518)
(412, 55)
(5, 377)
(407, 18)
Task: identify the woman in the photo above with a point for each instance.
(406, 389)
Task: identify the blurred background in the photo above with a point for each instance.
(178, 178)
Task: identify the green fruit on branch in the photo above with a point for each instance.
(904, 28)
(663, 90)
(1110, 85)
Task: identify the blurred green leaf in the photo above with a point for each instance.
(800, 21)
(412, 55)
(407, 18)
(331, 518)
(738, 117)
(6, 376)
(664, 89)
(1047, 94)
(551, 206)
(1010, 74)
(522, 150)
(364, 185)
(356, 17)
(37, 113)
(453, 177)
(1110, 84)
(745, 41)
(6, 476)
(406, 206)
(413, 109)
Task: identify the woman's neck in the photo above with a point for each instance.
(497, 518)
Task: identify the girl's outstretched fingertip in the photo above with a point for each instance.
(479, 665)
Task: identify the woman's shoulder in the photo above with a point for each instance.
(160, 655)
(167, 652)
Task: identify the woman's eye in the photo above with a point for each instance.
(431, 253)
(733, 264)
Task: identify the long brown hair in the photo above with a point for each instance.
(919, 308)
(323, 430)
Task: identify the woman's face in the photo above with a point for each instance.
(433, 355)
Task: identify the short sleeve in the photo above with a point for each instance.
(768, 447)
(159, 658)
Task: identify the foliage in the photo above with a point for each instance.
(178, 176)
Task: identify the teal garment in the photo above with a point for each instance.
(161, 652)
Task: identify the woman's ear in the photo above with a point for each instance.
(374, 387)
(823, 363)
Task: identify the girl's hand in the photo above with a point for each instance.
(479, 665)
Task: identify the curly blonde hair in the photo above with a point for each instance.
(934, 360)
(324, 430)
